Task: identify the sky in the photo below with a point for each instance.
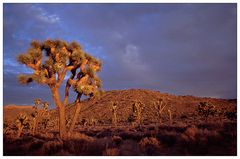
(180, 49)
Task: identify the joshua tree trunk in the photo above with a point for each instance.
(76, 113)
(160, 117)
(19, 131)
(61, 109)
(34, 125)
(170, 117)
(115, 119)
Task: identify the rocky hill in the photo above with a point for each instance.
(181, 106)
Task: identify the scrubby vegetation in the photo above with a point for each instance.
(183, 130)
(200, 139)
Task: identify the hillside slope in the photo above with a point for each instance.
(179, 105)
(10, 112)
(100, 108)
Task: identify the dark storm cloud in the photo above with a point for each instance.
(174, 48)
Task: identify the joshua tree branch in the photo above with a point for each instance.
(67, 87)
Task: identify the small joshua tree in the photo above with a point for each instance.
(21, 122)
(45, 114)
(93, 121)
(35, 115)
(137, 109)
(51, 60)
(114, 113)
(39, 114)
(6, 127)
(170, 116)
(159, 106)
(205, 109)
(45, 106)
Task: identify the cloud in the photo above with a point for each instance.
(131, 59)
(44, 15)
(175, 48)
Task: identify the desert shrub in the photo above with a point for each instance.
(205, 109)
(131, 135)
(84, 122)
(35, 147)
(99, 145)
(129, 148)
(149, 146)
(130, 118)
(80, 136)
(231, 115)
(52, 147)
(183, 116)
(117, 140)
(189, 134)
(168, 138)
(111, 152)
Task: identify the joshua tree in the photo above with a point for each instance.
(39, 114)
(170, 116)
(159, 107)
(37, 102)
(51, 60)
(114, 113)
(93, 121)
(6, 127)
(45, 106)
(137, 109)
(35, 115)
(45, 114)
(21, 122)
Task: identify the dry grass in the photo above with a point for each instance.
(149, 146)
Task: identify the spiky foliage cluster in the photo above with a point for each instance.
(114, 112)
(137, 109)
(45, 106)
(37, 103)
(60, 58)
(205, 109)
(21, 122)
(45, 121)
